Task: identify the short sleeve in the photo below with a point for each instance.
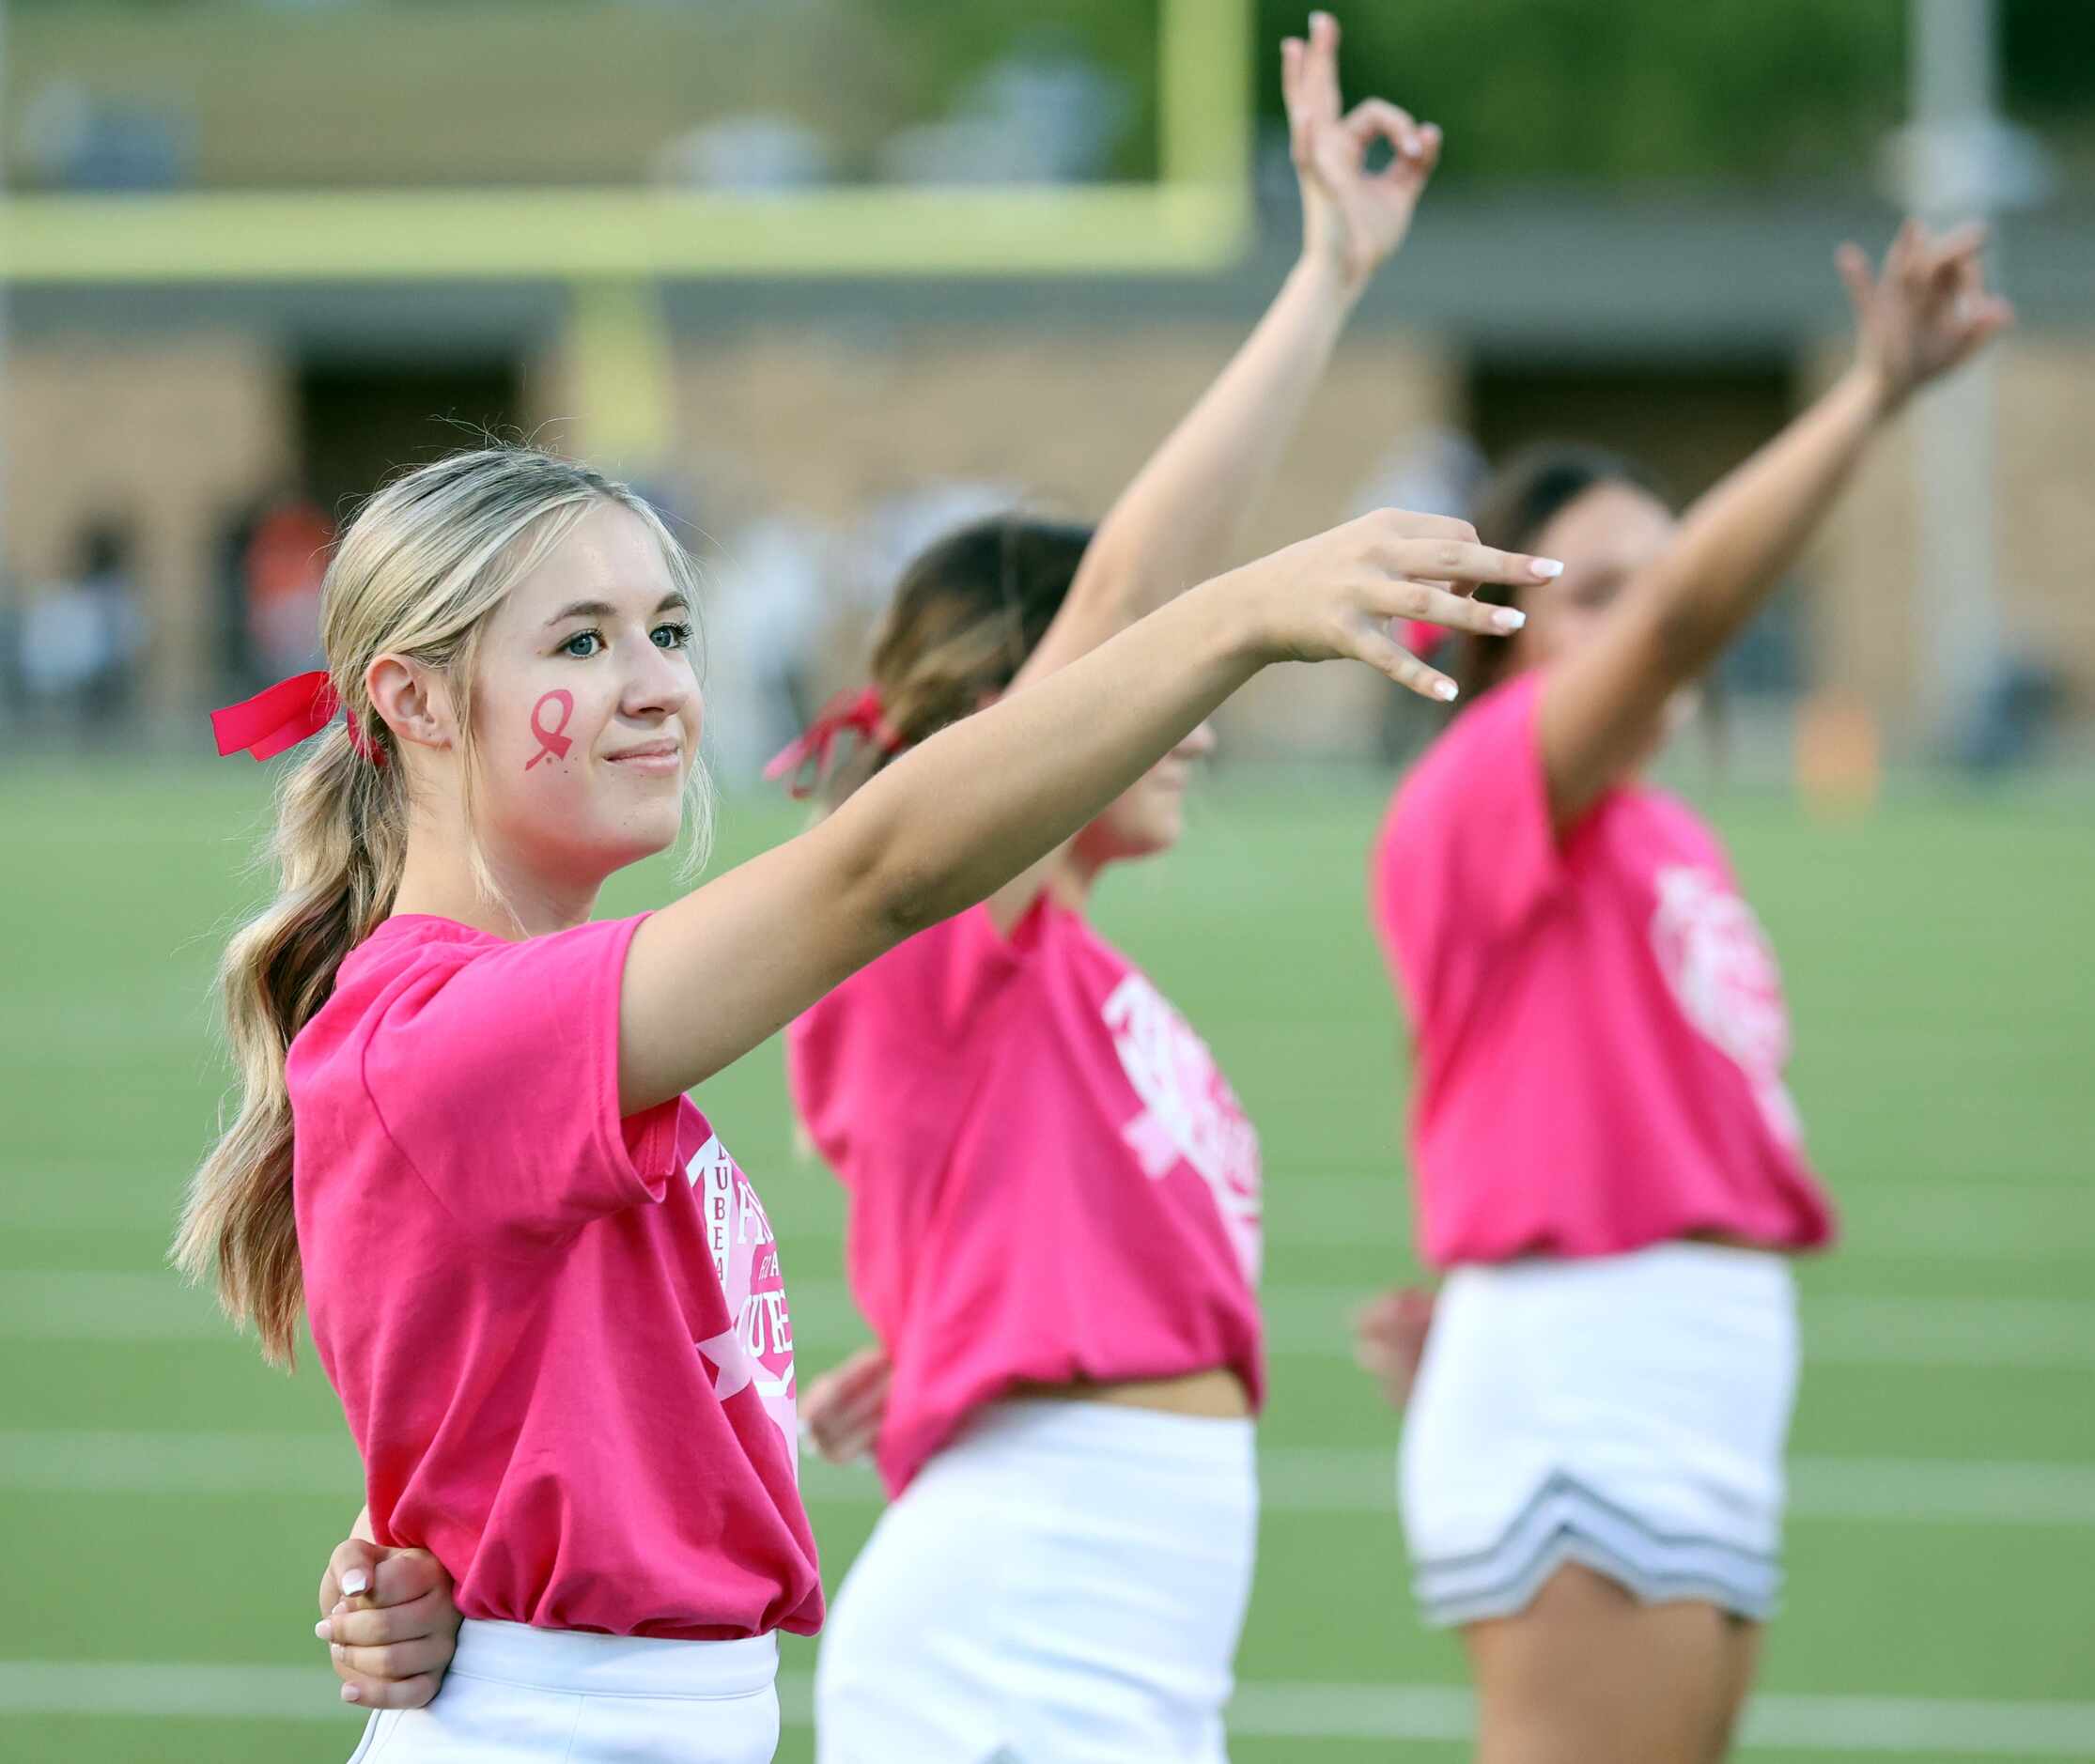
(1468, 852)
(494, 1070)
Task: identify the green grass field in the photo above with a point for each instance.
(165, 1503)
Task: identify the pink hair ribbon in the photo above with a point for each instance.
(808, 760)
(286, 714)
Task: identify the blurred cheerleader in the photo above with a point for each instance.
(1054, 1195)
(1608, 1165)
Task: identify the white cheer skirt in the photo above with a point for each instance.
(525, 1695)
(1063, 1584)
(1628, 1413)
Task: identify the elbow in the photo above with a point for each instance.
(909, 895)
(891, 892)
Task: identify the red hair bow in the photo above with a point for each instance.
(809, 759)
(286, 714)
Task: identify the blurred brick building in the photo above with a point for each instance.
(1686, 334)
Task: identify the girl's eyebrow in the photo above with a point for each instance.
(604, 610)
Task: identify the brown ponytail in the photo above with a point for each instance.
(967, 612)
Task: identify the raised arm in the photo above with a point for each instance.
(1601, 707)
(1183, 517)
(714, 974)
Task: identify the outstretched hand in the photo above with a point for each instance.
(1929, 309)
(1352, 219)
(1344, 593)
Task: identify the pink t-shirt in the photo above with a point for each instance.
(559, 1337)
(1599, 1026)
(1049, 1179)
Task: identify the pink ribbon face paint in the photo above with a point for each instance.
(550, 740)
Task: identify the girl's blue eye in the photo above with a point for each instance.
(678, 635)
(581, 637)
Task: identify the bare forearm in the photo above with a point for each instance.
(985, 797)
(936, 831)
(1738, 540)
(1602, 705)
(709, 976)
(1183, 517)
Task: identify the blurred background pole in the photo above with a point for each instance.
(1953, 176)
(9, 624)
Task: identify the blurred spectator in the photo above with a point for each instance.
(1430, 470)
(2017, 710)
(73, 139)
(899, 525)
(1042, 116)
(81, 638)
(239, 673)
(766, 613)
(746, 153)
(281, 573)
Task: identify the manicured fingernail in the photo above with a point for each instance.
(1508, 619)
(1444, 689)
(351, 1695)
(336, 1649)
(356, 1583)
(1546, 566)
(340, 1605)
(322, 1631)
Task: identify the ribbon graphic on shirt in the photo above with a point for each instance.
(550, 740)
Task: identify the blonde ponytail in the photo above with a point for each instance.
(416, 575)
(340, 840)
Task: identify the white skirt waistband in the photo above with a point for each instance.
(579, 1662)
(1102, 1432)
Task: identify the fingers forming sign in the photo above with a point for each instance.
(1352, 218)
(1927, 310)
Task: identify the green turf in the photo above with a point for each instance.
(1933, 955)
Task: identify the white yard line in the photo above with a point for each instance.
(40, 1306)
(1985, 1220)
(1889, 1491)
(1292, 1479)
(1905, 1726)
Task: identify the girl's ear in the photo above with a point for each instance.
(412, 701)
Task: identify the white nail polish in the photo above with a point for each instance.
(1444, 689)
(1548, 566)
(356, 1583)
(1509, 619)
(321, 1630)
